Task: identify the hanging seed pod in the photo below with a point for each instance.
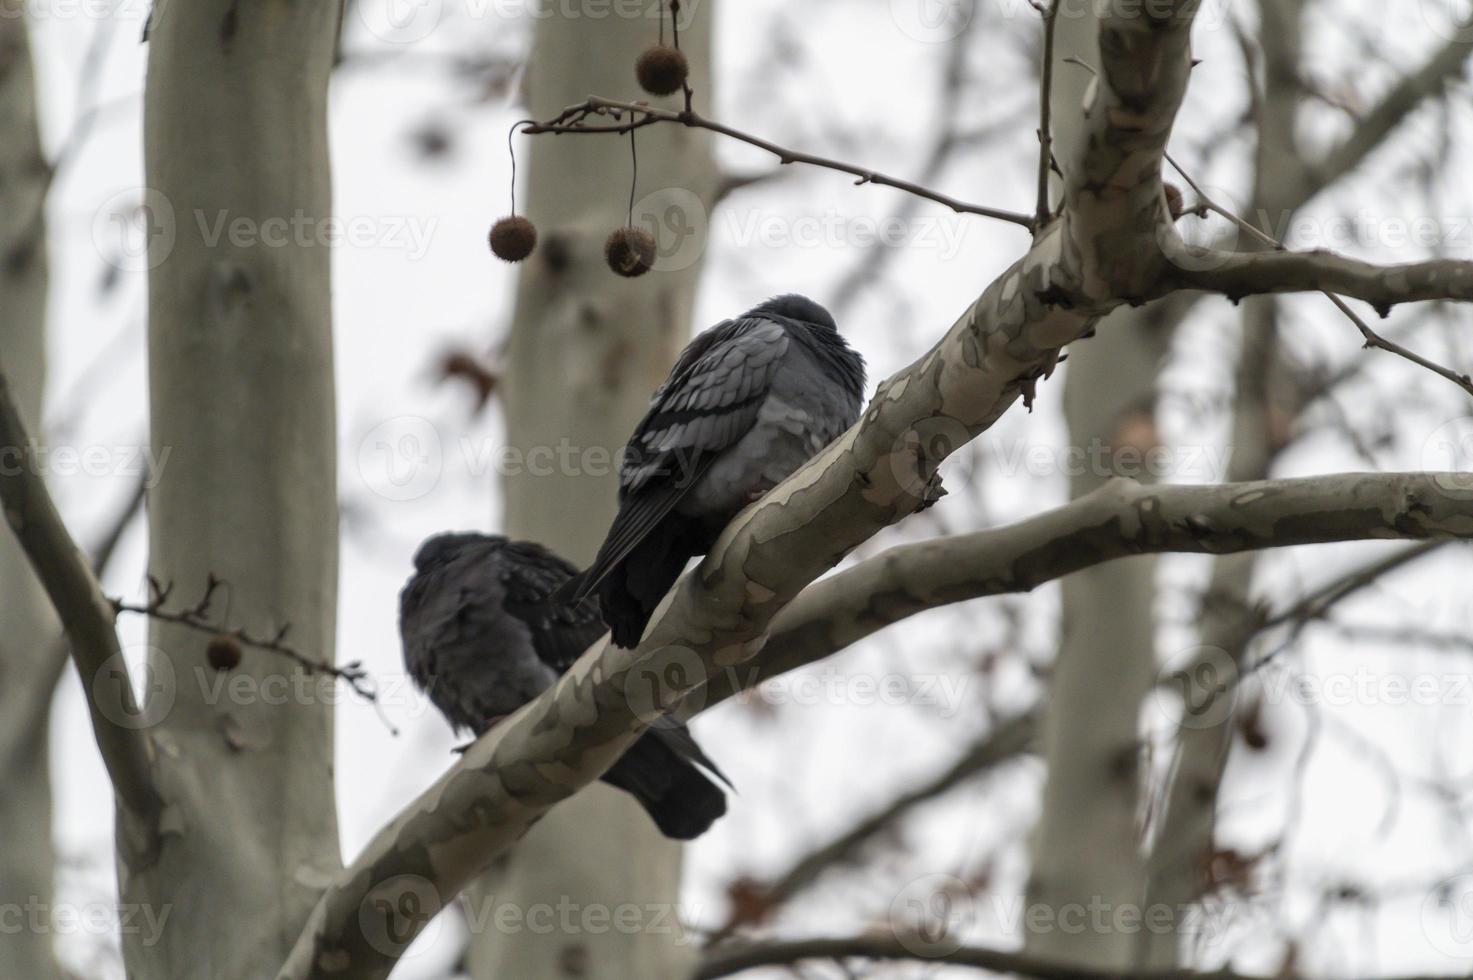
(512, 239)
(630, 252)
(223, 653)
(662, 70)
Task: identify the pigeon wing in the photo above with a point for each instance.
(710, 401)
(530, 575)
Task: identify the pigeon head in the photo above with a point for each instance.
(795, 307)
(824, 339)
(450, 545)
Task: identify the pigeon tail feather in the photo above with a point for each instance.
(632, 590)
(679, 798)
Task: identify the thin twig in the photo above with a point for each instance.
(1317, 605)
(198, 617)
(633, 178)
(629, 116)
(1042, 212)
(1008, 740)
(1372, 338)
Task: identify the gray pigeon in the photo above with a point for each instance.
(482, 638)
(748, 402)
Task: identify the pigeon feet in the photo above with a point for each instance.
(491, 723)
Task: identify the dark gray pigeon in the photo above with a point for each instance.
(482, 637)
(748, 402)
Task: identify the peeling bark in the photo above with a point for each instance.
(1121, 519)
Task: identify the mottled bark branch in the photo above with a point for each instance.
(1240, 274)
(550, 747)
(1120, 519)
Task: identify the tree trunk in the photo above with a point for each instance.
(241, 395)
(587, 349)
(1086, 846)
(1087, 843)
(1185, 839)
(31, 652)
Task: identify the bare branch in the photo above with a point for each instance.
(629, 116)
(1236, 275)
(198, 618)
(1008, 740)
(724, 963)
(84, 611)
(1210, 261)
(1446, 65)
(1042, 212)
(1120, 519)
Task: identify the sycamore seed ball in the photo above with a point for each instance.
(223, 653)
(512, 239)
(630, 251)
(662, 70)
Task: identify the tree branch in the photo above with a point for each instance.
(1373, 339)
(1008, 740)
(1446, 65)
(1041, 209)
(84, 611)
(879, 947)
(1240, 274)
(1120, 519)
(572, 120)
(198, 618)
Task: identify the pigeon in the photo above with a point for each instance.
(482, 638)
(749, 401)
